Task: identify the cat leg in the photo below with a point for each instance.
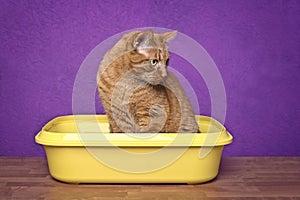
(188, 122)
(152, 122)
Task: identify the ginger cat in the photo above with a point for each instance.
(137, 91)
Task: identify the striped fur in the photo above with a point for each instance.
(137, 91)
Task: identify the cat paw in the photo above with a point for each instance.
(158, 117)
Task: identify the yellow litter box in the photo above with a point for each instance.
(80, 149)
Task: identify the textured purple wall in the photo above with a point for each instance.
(255, 44)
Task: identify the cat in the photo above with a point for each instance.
(137, 91)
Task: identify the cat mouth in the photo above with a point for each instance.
(155, 81)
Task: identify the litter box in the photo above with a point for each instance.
(80, 149)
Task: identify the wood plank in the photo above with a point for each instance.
(239, 177)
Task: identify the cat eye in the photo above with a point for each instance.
(153, 62)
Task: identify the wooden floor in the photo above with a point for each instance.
(239, 177)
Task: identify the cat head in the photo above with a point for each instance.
(150, 56)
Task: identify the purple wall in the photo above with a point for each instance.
(255, 44)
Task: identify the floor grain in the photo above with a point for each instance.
(239, 178)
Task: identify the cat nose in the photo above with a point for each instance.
(163, 73)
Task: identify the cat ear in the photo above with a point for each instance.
(168, 36)
(142, 39)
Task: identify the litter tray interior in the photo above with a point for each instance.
(99, 123)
